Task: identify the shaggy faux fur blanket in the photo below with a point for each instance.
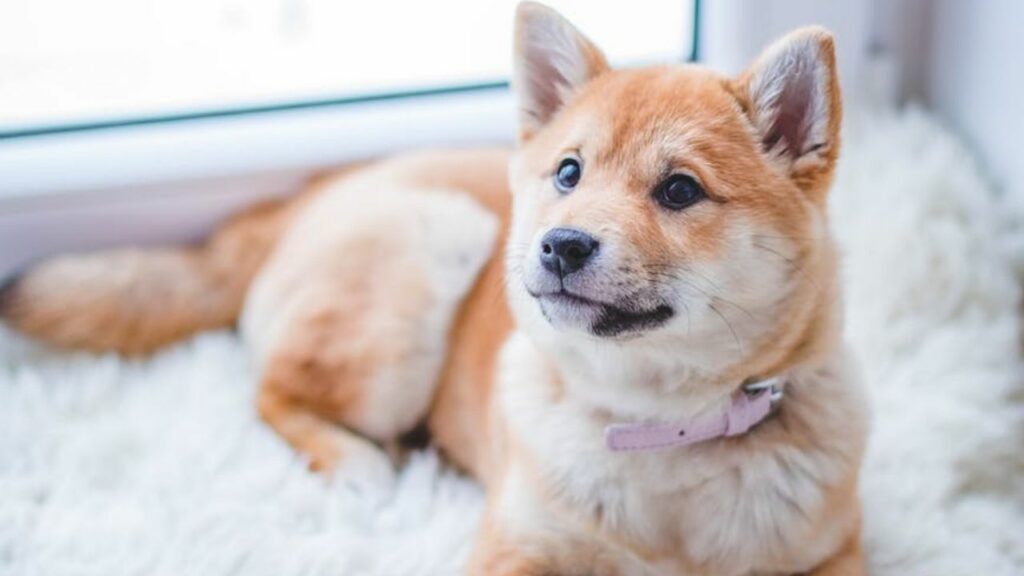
(160, 466)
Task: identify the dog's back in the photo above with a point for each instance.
(136, 300)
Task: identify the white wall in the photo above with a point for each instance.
(962, 58)
(976, 81)
(733, 32)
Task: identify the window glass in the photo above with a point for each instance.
(75, 61)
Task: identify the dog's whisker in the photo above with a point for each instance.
(795, 267)
(728, 324)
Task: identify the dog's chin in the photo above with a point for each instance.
(565, 310)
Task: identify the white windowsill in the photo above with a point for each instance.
(270, 141)
(172, 182)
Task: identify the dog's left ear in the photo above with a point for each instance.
(552, 61)
(791, 96)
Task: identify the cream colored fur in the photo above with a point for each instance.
(385, 297)
(674, 499)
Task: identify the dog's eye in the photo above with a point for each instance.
(678, 191)
(568, 175)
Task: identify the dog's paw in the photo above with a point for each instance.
(356, 464)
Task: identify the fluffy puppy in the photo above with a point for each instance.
(627, 328)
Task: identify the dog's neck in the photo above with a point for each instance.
(673, 379)
(631, 383)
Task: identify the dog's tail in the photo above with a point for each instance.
(134, 301)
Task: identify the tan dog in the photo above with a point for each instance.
(666, 243)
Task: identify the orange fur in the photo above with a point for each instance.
(396, 294)
(332, 359)
(135, 301)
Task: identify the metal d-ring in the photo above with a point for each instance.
(774, 385)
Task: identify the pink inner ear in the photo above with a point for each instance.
(552, 63)
(545, 83)
(790, 128)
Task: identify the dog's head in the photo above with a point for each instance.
(666, 202)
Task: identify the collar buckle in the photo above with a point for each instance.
(773, 385)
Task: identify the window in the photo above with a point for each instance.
(69, 63)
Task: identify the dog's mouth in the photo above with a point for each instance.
(602, 318)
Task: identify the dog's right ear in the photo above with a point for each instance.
(791, 96)
(552, 60)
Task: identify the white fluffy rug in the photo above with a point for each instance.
(160, 467)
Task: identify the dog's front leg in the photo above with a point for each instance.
(497, 553)
(524, 532)
(849, 561)
(503, 551)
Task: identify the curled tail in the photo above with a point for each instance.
(134, 301)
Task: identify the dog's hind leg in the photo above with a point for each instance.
(349, 318)
(322, 442)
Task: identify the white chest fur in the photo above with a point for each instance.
(736, 506)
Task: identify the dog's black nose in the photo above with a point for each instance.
(564, 250)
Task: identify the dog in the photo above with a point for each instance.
(628, 328)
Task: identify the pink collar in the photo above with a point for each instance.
(750, 405)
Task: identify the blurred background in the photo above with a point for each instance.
(142, 121)
(69, 62)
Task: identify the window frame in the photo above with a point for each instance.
(170, 178)
(690, 54)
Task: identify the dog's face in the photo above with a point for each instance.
(665, 201)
